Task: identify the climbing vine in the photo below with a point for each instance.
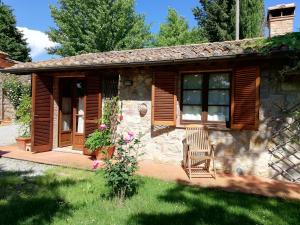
(15, 90)
(288, 44)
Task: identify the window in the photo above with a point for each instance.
(192, 97)
(80, 107)
(218, 97)
(205, 97)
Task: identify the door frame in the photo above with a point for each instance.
(60, 114)
(77, 139)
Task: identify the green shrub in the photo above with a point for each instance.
(120, 170)
(98, 138)
(23, 115)
(14, 89)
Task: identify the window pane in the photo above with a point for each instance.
(80, 108)
(192, 81)
(80, 88)
(219, 80)
(79, 124)
(66, 105)
(191, 112)
(218, 97)
(192, 97)
(218, 113)
(66, 122)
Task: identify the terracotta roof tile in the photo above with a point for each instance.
(139, 56)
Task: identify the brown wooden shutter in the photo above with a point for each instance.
(164, 99)
(42, 108)
(245, 98)
(92, 102)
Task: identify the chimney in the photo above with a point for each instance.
(281, 19)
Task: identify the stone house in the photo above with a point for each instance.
(217, 84)
(7, 111)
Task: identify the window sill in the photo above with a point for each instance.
(211, 126)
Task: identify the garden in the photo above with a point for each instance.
(116, 195)
(70, 196)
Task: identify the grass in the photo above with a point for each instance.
(67, 196)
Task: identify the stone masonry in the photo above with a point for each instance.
(240, 152)
(7, 110)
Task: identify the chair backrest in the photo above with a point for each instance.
(197, 137)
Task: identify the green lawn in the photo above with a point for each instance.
(66, 196)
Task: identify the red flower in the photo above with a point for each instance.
(121, 117)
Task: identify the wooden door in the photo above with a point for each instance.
(65, 113)
(42, 108)
(78, 113)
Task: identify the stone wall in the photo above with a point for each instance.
(241, 152)
(7, 110)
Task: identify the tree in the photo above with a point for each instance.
(97, 25)
(217, 18)
(175, 31)
(251, 18)
(11, 39)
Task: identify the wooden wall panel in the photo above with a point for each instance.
(42, 110)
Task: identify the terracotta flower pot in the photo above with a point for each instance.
(87, 152)
(105, 152)
(22, 141)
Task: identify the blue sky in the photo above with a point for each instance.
(33, 17)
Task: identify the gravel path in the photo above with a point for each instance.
(31, 168)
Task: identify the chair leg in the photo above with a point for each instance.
(214, 168)
(190, 169)
(207, 166)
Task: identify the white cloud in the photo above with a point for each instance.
(37, 41)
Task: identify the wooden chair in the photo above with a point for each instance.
(199, 153)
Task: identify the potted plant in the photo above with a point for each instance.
(100, 143)
(23, 115)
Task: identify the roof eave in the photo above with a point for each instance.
(112, 65)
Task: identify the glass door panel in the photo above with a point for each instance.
(78, 114)
(79, 89)
(66, 113)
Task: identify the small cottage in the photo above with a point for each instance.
(222, 85)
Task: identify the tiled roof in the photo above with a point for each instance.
(182, 53)
(3, 53)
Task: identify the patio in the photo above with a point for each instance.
(246, 184)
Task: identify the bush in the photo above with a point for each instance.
(23, 115)
(120, 170)
(98, 138)
(14, 89)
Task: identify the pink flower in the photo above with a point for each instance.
(102, 127)
(129, 137)
(96, 164)
(131, 134)
(121, 117)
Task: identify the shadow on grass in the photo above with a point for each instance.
(206, 206)
(31, 200)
